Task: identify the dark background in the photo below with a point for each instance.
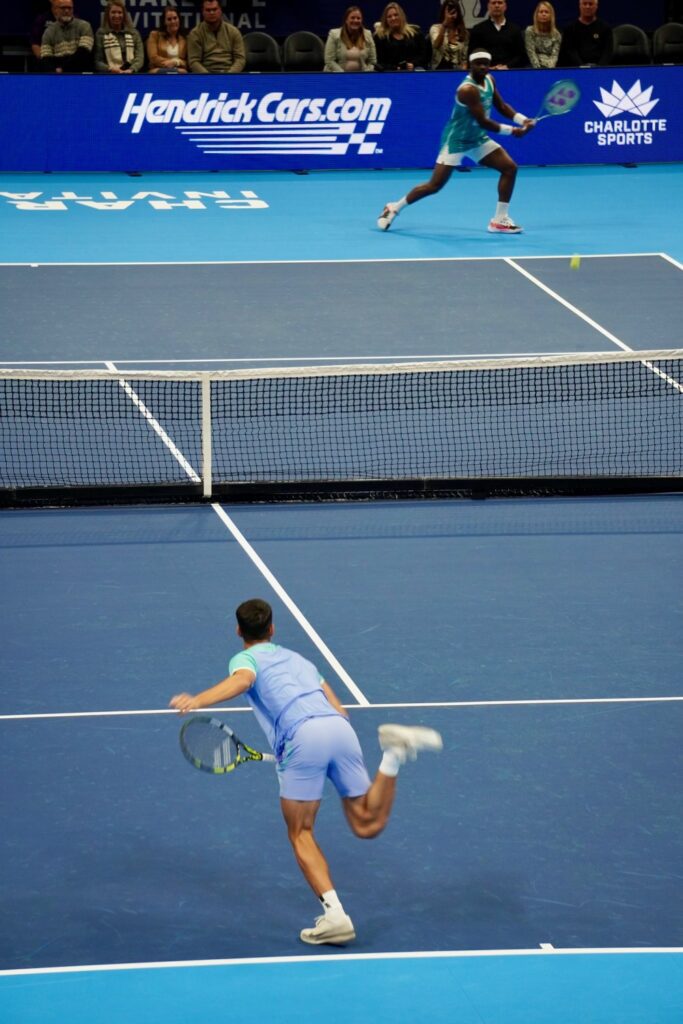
(279, 19)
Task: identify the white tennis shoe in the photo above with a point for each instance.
(407, 740)
(335, 930)
(387, 216)
(504, 226)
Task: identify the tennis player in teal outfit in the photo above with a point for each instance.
(312, 738)
(466, 135)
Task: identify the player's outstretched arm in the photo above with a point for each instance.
(228, 688)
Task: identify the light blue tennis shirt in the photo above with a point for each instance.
(287, 690)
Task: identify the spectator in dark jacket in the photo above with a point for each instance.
(586, 41)
(499, 37)
(400, 46)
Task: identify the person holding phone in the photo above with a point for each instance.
(449, 38)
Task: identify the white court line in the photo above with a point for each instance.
(246, 547)
(367, 706)
(156, 427)
(396, 259)
(269, 360)
(439, 954)
(594, 324)
(284, 596)
(671, 260)
(567, 305)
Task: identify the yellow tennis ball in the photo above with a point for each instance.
(575, 262)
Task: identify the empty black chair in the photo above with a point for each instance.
(667, 44)
(630, 45)
(263, 52)
(303, 51)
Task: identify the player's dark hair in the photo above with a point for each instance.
(254, 618)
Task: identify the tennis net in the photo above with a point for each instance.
(558, 424)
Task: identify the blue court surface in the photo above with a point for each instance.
(531, 872)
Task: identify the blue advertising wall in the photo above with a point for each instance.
(288, 122)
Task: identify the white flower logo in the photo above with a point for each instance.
(635, 101)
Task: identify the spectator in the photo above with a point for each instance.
(40, 23)
(449, 38)
(400, 46)
(67, 43)
(500, 37)
(118, 45)
(351, 47)
(215, 47)
(541, 38)
(167, 47)
(586, 42)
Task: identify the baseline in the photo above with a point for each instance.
(487, 987)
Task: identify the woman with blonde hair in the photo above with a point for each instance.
(351, 47)
(118, 44)
(400, 46)
(167, 47)
(542, 39)
(449, 38)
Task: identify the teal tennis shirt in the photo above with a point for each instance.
(287, 690)
(462, 132)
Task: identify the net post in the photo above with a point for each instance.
(206, 436)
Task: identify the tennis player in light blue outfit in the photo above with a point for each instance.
(467, 135)
(308, 730)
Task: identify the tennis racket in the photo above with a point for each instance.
(560, 99)
(211, 746)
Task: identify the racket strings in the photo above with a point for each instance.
(210, 745)
(561, 98)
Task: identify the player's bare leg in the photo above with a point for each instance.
(501, 161)
(300, 818)
(440, 175)
(368, 814)
(334, 926)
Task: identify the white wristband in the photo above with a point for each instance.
(520, 119)
(505, 129)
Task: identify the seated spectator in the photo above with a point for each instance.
(449, 38)
(67, 43)
(215, 47)
(586, 42)
(499, 37)
(400, 46)
(118, 45)
(167, 47)
(40, 23)
(351, 47)
(541, 38)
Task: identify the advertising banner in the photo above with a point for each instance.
(318, 121)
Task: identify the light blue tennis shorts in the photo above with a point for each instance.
(322, 748)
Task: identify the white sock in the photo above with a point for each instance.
(501, 211)
(390, 764)
(399, 204)
(331, 903)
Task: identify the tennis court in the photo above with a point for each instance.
(530, 872)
